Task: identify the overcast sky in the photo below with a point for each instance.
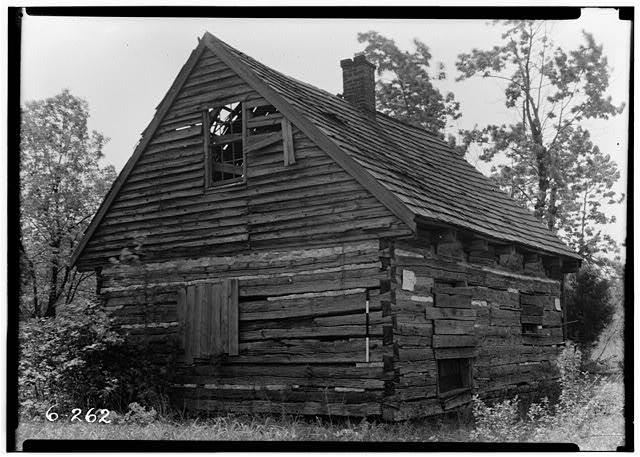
(123, 67)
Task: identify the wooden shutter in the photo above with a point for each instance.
(208, 316)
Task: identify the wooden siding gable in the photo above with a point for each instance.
(297, 119)
(147, 135)
(292, 119)
(163, 176)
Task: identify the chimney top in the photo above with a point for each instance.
(358, 59)
(358, 82)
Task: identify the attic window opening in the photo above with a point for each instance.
(224, 144)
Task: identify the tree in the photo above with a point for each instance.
(406, 92)
(61, 186)
(589, 306)
(546, 159)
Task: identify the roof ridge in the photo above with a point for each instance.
(417, 128)
(346, 103)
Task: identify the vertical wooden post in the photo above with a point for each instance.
(206, 122)
(243, 113)
(367, 328)
(287, 138)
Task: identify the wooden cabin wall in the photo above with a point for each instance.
(302, 328)
(443, 307)
(164, 206)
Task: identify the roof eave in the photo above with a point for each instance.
(571, 261)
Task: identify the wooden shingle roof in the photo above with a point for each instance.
(422, 171)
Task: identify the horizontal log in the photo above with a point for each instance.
(304, 408)
(451, 313)
(453, 327)
(420, 340)
(538, 340)
(419, 329)
(304, 307)
(268, 381)
(440, 341)
(465, 291)
(452, 301)
(412, 393)
(456, 353)
(532, 310)
(407, 354)
(426, 367)
(288, 371)
(544, 301)
(406, 410)
(339, 331)
(526, 319)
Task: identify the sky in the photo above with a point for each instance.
(124, 66)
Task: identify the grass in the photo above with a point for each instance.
(601, 428)
(250, 427)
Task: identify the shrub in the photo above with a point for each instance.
(140, 415)
(76, 360)
(584, 399)
(498, 422)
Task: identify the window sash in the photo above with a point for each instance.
(230, 164)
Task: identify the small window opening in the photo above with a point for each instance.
(225, 143)
(453, 374)
(530, 329)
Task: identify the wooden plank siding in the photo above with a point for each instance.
(448, 309)
(163, 202)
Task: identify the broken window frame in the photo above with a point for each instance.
(237, 164)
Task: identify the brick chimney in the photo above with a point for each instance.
(358, 83)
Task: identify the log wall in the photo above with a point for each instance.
(302, 328)
(442, 307)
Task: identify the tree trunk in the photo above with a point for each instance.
(543, 180)
(553, 208)
(53, 280)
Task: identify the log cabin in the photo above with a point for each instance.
(299, 251)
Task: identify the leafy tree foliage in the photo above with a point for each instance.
(61, 186)
(589, 306)
(546, 159)
(405, 87)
